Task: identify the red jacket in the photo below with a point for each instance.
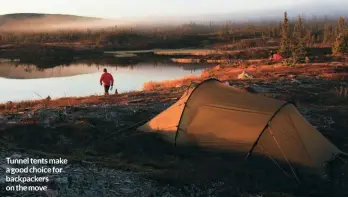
(107, 79)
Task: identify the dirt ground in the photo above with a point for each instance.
(102, 133)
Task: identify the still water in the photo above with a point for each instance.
(28, 82)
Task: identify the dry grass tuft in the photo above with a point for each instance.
(341, 92)
(170, 83)
(47, 102)
(193, 52)
(186, 60)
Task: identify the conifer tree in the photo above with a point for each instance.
(341, 44)
(284, 48)
(339, 27)
(299, 29)
(327, 33)
(298, 49)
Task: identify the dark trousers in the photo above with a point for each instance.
(106, 89)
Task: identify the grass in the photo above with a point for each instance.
(170, 83)
(129, 52)
(186, 60)
(133, 97)
(193, 52)
(341, 92)
(260, 70)
(125, 55)
(44, 103)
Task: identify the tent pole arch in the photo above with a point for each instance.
(188, 88)
(178, 127)
(264, 129)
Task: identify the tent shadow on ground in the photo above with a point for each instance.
(184, 166)
(197, 172)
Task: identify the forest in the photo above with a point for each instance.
(317, 31)
(295, 39)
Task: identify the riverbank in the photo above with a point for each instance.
(100, 131)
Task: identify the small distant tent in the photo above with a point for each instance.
(277, 57)
(215, 115)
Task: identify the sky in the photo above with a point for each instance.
(118, 9)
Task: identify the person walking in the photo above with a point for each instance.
(108, 80)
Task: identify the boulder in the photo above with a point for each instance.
(257, 89)
(245, 75)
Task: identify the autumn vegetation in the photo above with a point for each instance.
(243, 46)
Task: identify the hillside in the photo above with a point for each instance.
(24, 16)
(39, 22)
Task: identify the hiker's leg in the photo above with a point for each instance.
(106, 89)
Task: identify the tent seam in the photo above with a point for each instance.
(282, 152)
(189, 97)
(292, 122)
(267, 125)
(245, 111)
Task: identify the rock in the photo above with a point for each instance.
(291, 76)
(295, 81)
(257, 89)
(245, 75)
(5, 166)
(30, 115)
(16, 155)
(3, 120)
(51, 193)
(128, 181)
(113, 114)
(2, 180)
(62, 180)
(251, 90)
(127, 190)
(12, 122)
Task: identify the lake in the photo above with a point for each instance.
(29, 82)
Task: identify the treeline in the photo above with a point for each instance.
(312, 32)
(296, 39)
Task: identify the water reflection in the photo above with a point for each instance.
(26, 82)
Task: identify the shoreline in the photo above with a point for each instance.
(259, 71)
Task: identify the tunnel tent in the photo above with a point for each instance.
(215, 115)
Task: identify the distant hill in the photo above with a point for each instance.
(36, 15)
(39, 22)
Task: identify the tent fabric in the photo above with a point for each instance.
(216, 115)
